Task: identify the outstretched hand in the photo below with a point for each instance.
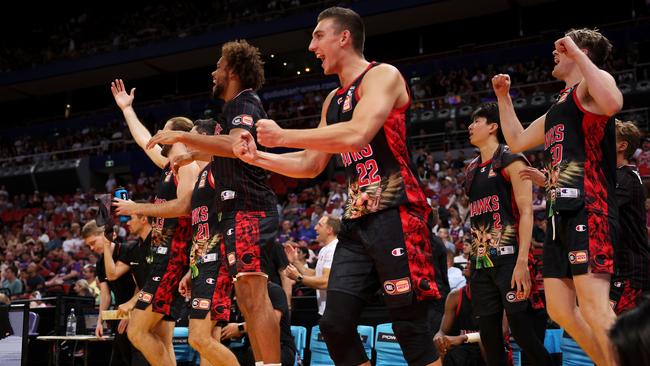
(245, 148)
(165, 137)
(122, 99)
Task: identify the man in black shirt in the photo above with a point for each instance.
(246, 204)
(632, 266)
(123, 288)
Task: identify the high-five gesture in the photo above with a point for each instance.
(122, 99)
(501, 85)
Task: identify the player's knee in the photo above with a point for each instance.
(135, 335)
(333, 329)
(198, 340)
(416, 341)
(560, 313)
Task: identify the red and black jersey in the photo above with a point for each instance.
(379, 175)
(494, 216)
(205, 220)
(580, 158)
(632, 255)
(240, 186)
(466, 322)
(163, 228)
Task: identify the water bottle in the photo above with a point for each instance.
(71, 327)
(122, 193)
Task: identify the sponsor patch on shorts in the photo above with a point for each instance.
(210, 281)
(201, 304)
(145, 297)
(161, 250)
(156, 279)
(397, 252)
(396, 287)
(231, 259)
(581, 228)
(578, 257)
(514, 296)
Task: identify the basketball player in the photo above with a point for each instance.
(385, 239)
(579, 141)
(170, 236)
(247, 204)
(501, 218)
(210, 284)
(632, 278)
(458, 324)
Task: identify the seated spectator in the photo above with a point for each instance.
(73, 242)
(68, 271)
(454, 274)
(90, 275)
(305, 231)
(12, 282)
(81, 288)
(319, 211)
(443, 234)
(287, 233)
(34, 280)
(292, 209)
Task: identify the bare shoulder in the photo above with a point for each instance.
(386, 72)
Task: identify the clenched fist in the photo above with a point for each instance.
(501, 85)
(269, 134)
(566, 46)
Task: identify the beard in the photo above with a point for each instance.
(165, 150)
(217, 90)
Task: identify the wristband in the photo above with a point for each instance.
(241, 328)
(299, 279)
(473, 337)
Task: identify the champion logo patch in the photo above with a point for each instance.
(578, 257)
(230, 231)
(581, 228)
(227, 195)
(210, 281)
(397, 252)
(155, 279)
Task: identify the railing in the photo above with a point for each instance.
(440, 140)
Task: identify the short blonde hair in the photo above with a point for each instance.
(91, 229)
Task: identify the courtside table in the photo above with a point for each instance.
(56, 340)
